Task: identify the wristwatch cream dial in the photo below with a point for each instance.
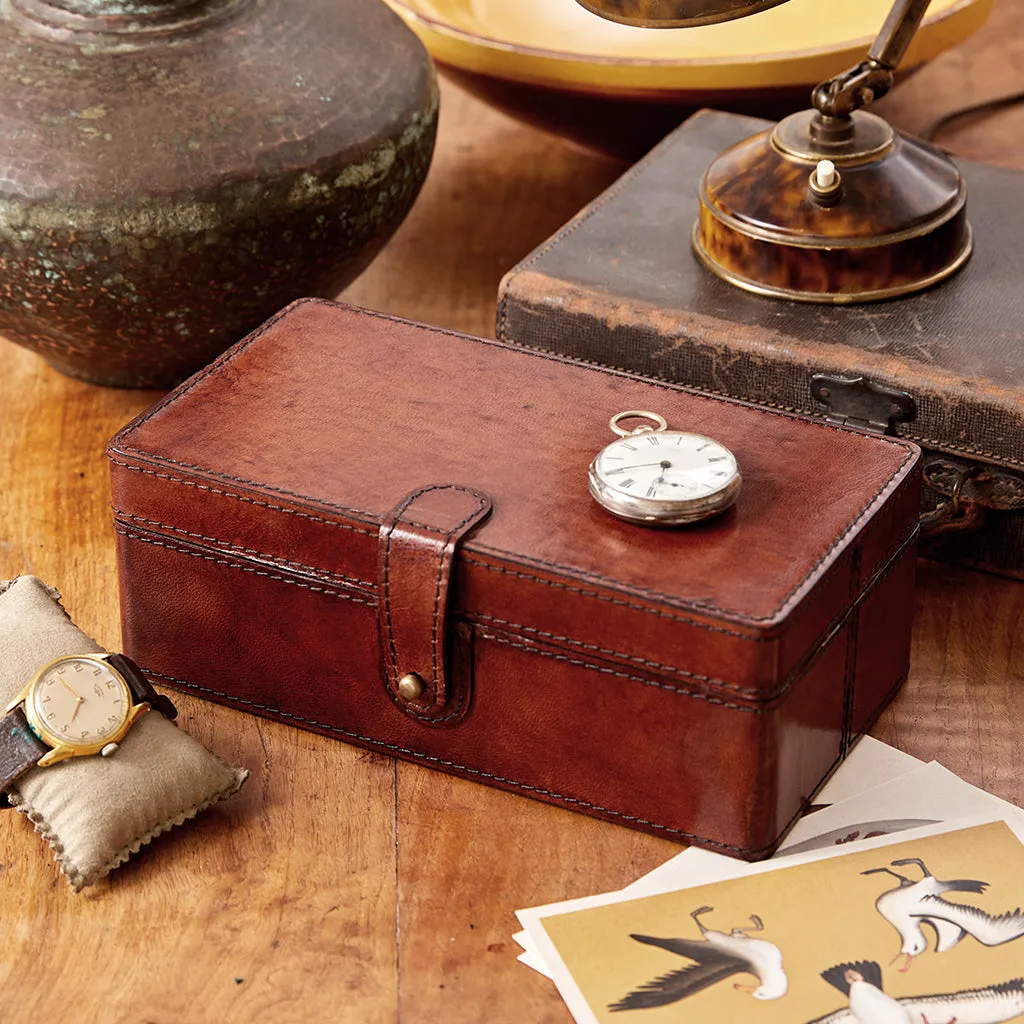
(663, 477)
(78, 702)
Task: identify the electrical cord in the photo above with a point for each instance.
(984, 108)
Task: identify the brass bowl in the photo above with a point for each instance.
(619, 89)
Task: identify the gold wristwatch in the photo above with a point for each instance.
(75, 706)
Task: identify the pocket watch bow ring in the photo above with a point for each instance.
(661, 477)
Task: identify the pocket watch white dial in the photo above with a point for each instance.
(663, 477)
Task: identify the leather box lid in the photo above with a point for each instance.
(619, 285)
(289, 452)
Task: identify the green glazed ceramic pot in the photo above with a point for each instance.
(174, 171)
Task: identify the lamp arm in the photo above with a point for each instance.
(899, 28)
(872, 78)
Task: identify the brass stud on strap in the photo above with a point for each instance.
(411, 686)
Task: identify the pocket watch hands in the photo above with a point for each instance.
(665, 464)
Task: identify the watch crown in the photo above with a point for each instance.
(108, 750)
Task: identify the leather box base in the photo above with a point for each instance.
(620, 286)
(382, 532)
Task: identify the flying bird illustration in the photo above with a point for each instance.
(861, 982)
(913, 904)
(716, 956)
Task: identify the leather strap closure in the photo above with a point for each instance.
(427, 661)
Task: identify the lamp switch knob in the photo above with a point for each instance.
(825, 175)
(826, 184)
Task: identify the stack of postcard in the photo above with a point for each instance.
(898, 902)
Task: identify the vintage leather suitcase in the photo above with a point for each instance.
(345, 499)
(619, 286)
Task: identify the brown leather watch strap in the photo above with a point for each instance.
(426, 662)
(140, 687)
(20, 748)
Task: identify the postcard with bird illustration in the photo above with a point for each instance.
(925, 796)
(924, 927)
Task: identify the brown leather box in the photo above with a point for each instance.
(345, 498)
(619, 285)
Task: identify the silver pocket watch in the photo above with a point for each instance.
(663, 477)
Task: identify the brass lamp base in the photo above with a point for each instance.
(832, 210)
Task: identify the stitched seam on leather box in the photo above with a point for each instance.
(765, 699)
(424, 526)
(242, 497)
(606, 670)
(435, 626)
(572, 572)
(232, 564)
(225, 545)
(247, 482)
(343, 595)
(795, 617)
(467, 558)
(794, 677)
(850, 681)
(347, 596)
(484, 565)
(444, 566)
(242, 346)
(707, 606)
(393, 667)
(460, 767)
(660, 666)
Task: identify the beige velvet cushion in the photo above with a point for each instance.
(97, 811)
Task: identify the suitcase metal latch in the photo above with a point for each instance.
(859, 402)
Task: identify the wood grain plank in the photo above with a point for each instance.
(964, 702)
(469, 857)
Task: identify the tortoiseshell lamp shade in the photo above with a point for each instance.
(895, 224)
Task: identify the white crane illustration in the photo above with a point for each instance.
(717, 956)
(912, 904)
(861, 982)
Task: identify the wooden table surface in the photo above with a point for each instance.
(341, 885)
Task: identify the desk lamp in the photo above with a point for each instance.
(831, 205)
